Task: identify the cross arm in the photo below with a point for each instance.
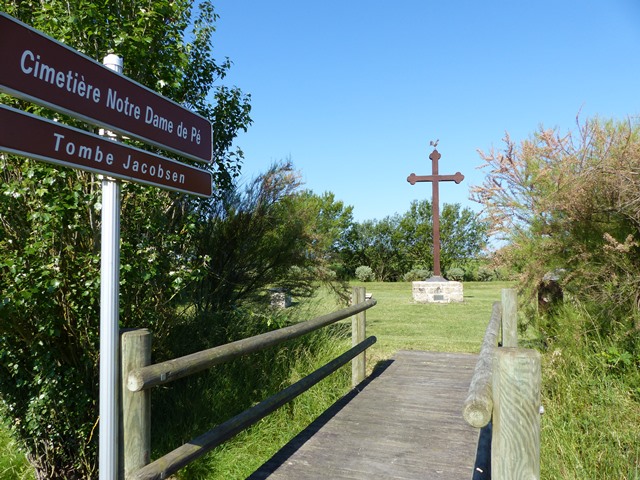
(413, 178)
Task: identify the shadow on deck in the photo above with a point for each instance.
(403, 422)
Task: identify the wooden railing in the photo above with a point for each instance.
(504, 397)
(139, 376)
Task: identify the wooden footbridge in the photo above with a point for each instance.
(405, 422)
(422, 415)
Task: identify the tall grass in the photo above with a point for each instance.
(189, 407)
(591, 395)
(239, 457)
(13, 462)
(397, 321)
(192, 406)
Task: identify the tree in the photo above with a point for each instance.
(272, 235)
(463, 234)
(50, 223)
(375, 244)
(396, 244)
(570, 202)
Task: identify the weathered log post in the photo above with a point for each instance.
(135, 424)
(358, 334)
(509, 318)
(515, 445)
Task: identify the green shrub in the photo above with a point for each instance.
(455, 273)
(485, 274)
(417, 275)
(365, 274)
(471, 272)
(50, 231)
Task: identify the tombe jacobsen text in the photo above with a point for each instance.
(131, 164)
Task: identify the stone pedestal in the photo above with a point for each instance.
(280, 298)
(437, 290)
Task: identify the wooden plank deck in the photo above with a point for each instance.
(405, 422)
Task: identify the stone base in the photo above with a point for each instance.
(437, 290)
(280, 298)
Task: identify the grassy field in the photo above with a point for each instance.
(399, 323)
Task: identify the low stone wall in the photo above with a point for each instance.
(437, 290)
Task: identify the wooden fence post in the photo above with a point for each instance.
(515, 446)
(509, 318)
(358, 334)
(135, 415)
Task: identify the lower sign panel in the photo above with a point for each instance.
(34, 137)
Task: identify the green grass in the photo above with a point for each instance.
(399, 323)
(240, 456)
(591, 428)
(13, 463)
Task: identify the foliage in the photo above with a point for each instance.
(455, 273)
(463, 234)
(417, 275)
(377, 244)
(271, 235)
(570, 202)
(483, 269)
(485, 274)
(365, 274)
(397, 244)
(50, 229)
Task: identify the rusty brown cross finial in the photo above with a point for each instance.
(435, 180)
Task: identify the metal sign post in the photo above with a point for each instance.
(109, 318)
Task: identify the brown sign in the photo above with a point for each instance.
(37, 68)
(30, 136)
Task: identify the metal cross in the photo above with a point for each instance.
(435, 180)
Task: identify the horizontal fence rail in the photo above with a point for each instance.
(505, 391)
(479, 403)
(165, 372)
(181, 456)
(138, 376)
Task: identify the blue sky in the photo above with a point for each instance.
(353, 91)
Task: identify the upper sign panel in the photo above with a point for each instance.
(37, 68)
